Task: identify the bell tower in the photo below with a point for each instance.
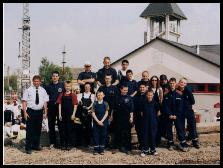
(162, 20)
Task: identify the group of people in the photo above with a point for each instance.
(109, 104)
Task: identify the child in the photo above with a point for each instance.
(149, 122)
(131, 83)
(173, 107)
(188, 101)
(111, 92)
(123, 119)
(139, 101)
(100, 122)
(67, 108)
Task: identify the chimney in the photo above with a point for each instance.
(197, 49)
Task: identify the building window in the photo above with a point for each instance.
(199, 88)
(213, 88)
(204, 87)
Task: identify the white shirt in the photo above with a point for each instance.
(8, 107)
(86, 96)
(123, 72)
(16, 111)
(158, 90)
(30, 97)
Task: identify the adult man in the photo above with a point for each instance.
(86, 77)
(145, 79)
(107, 70)
(34, 100)
(53, 90)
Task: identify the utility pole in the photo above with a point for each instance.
(25, 76)
(63, 61)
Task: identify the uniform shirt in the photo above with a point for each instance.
(132, 86)
(30, 97)
(139, 101)
(101, 75)
(188, 99)
(111, 92)
(86, 96)
(173, 104)
(86, 75)
(74, 98)
(100, 114)
(53, 90)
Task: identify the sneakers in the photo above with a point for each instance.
(29, 152)
(170, 148)
(183, 147)
(128, 152)
(154, 153)
(195, 144)
(143, 154)
(114, 151)
(102, 153)
(95, 152)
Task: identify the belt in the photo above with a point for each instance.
(34, 109)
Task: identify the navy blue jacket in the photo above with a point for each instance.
(102, 72)
(173, 104)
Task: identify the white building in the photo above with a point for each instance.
(159, 55)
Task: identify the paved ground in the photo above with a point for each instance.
(209, 153)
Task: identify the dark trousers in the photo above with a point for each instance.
(139, 132)
(161, 128)
(149, 138)
(191, 122)
(122, 137)
(179, 125)
(99, 134)
(67, 127)
(33, 128)
(87, 131)
(53, 115)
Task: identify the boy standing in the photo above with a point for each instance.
(188, 101)
(99, 113)
(139, 101)
(123, 119)
(173, 107)
(149, 121)
(67, 108)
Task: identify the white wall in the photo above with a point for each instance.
(160, 56)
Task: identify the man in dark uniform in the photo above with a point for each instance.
(107, 70)
(111, 93)
(123, 119)
(53, 90)
(86, 77)
(139, 101)
(131, 83)
(173, 107)
(188, 101)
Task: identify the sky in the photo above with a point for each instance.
(91, 31)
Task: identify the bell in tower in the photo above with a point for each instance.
(162, 20)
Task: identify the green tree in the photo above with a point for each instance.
(46, 68)
(12, 82)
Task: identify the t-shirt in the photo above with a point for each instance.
(74, 98)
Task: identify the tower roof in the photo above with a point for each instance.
(161, 9)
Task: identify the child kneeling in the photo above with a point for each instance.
(99, 113)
